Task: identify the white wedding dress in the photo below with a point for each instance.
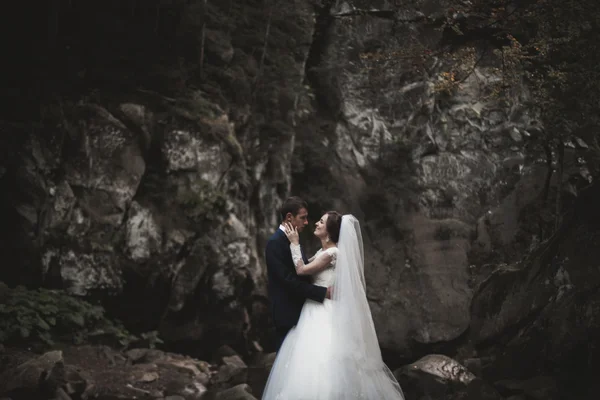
(332, 353)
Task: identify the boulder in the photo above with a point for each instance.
(38, 376)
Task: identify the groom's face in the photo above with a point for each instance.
(300, 220)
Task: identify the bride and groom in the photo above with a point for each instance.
(326, 340)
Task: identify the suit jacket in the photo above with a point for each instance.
(287, 290)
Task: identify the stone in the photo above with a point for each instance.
(188, 390)
(141, 355)
(143, 234)
(63, 202)
(186, 150)
(75, 381)
(107, 165)
(264, 360)
(185, 365)
(32, 374)
(439, 377)
(141, 117)
(83, 272)
(239, 392)
(148, 377)
(222, 352)
(102, 372)
(441, 367)
(233, 371)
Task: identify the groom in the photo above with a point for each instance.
(287, 290)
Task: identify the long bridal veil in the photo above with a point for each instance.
(357, 369)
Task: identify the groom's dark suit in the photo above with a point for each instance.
(287, 290)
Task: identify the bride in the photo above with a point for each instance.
(332, 353)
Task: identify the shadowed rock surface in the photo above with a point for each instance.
(147, 146)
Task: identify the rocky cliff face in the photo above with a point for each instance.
(153, 178)
(438, 178)
(545, 309)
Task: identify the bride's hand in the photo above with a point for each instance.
(292, 233)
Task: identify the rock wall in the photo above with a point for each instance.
(438, 177)
(151, 175)
(545, 309)
(168, 133)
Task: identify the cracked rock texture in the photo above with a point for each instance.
(152, 182)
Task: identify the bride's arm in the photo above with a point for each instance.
(319, 262)
(316, 265)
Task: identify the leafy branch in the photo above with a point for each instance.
(49, 316)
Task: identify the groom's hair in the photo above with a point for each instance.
(292, 205)
(333, 225)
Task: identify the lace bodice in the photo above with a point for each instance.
(327, 276)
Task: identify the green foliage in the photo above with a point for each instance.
(50, 316)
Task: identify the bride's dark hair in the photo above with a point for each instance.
(333, 225)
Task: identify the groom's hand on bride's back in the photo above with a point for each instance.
(329, 293)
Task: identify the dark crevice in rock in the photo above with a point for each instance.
(314, 61)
